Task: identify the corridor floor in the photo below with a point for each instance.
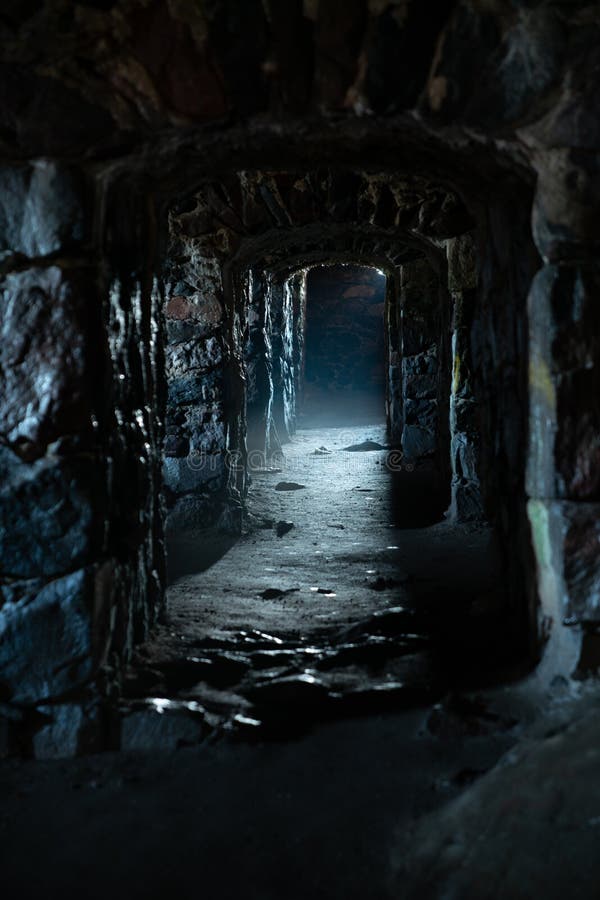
(349, 592)
(321, 745)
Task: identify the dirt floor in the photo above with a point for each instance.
(320, 718)
(350, 591)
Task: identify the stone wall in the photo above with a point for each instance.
(564, 453)
(272, 361)
(207, 323)
(283, 352)
(465, 439)
(507, 261)
(424, 332)
(297, 284)
(258, 363)
(195, 477)
(394, 401)
(82, 574)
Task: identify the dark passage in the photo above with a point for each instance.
(347, 594)
(345, 367)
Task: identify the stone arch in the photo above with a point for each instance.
(117, 119)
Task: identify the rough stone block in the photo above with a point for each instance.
(466, 504)
(564, 409)
(60, 737)
(581, 559)
(515, 65)
(46, 641)
(13, 590)
(162, 725)
(463, 455)
(419, 289)
(394, 401)
(193, 317)
(206, 427)
(464, 417)
(462, 269)
(420, 374)
(200, 510)
(45, 117)
(417, 442)
(50, 514)
(418, 335)
(567, 541)
(566, 209)
(45, 354)
(176, 445)
(197, 471)
(42, 209)
(421, 412)
(193, 356)
(194, 389)
(200, 309)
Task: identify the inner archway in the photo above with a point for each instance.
(319, 473)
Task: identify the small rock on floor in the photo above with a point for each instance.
(382, 584)
(283, 527)
(276, 593)
(364, 447)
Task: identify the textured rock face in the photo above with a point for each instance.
(424, 336)
(565, 338)
(466, 502)
(258, 360)
(43, 209)
(194, 473)
(46, 357)
(54, 491)
(572, 538)
(80, 520)
(273, 362)
(122, 111)
(57, 618)
(47, 517)
(282, 349)
(562, 474)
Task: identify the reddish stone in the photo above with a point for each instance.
(180, 308)
(360, 290)
(188, 79)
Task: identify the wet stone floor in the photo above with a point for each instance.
(349, 593)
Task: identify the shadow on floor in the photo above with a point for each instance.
(419, 498)
(195, 552)
(370, 601)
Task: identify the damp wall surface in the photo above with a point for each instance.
(81, 518)
(196, 339)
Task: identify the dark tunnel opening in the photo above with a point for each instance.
(324, 516)
(345, 365)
